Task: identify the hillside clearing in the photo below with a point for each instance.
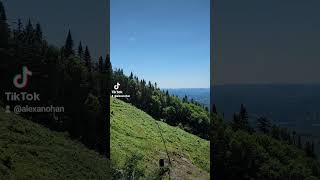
(135, 133)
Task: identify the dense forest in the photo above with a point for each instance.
(265, 152)
(63, 76)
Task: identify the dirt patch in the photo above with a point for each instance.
(182, 168)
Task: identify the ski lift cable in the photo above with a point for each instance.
(165, 146)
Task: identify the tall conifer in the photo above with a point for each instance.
(87, 58)
(68, 47)
(4, 28)
(80, 50)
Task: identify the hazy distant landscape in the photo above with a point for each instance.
(293, 106)
(201, 95)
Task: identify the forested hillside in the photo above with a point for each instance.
(62, 76)
(266, 152)
(137, 146)
(186, 113)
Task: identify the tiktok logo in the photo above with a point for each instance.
(117, 86)
(21, 80)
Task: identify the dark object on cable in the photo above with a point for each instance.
(161, 162)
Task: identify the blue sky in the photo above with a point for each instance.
(165, 41)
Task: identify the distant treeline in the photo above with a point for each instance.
(266, 152)
(62, 76)
(187, 114)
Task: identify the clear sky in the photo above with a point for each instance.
(164, 41)
(264, 42)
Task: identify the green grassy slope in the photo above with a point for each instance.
(133, 132)
(30, 151)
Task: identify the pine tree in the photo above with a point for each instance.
(185, 99)
(4, 28)
(87, 58)
(38, 33)
(294, 137)
(264, 125)
(17, 34)
(100, 64)
(29, 27)
(244, 118)
(68, 47)
(29, 32)
(20, 26)
(107, 64)
(80, 50)
(214, 109)
(150, 85)
(131, 76)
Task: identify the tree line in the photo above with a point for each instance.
(161, 105)
(63, 76)
(267, 151)
(240, 121)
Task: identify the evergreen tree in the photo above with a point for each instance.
(29, 32)
(80, 50)
(244, 118)
(100, 64)
(294, 137)
(87, 58)
(18, 33)
(185, 99)
(264, 125)
(29, 27)
(108, 66)
(38, 33)
(4, 28)
(167, 93)
(68, 47)
(214, 109)
(20, 26)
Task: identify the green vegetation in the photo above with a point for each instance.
(62, 76)
(31, 151)
(135, 136)
(268, 152)
(190, 116)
